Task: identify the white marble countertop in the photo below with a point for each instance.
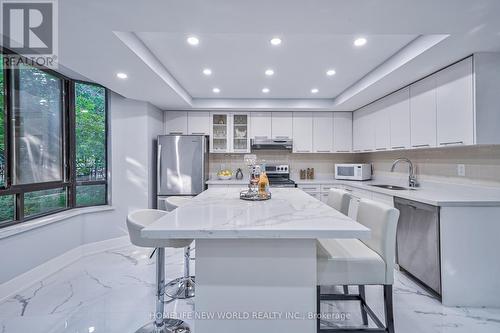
(291, 213)
(432, 193)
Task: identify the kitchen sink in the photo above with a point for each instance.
(391, 187)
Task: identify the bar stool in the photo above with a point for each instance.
(367, 262)
(339, 200)
(136, 221)
(183, 287)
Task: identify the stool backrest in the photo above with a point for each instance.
(382, 221)
(140, 219)
(339, 200)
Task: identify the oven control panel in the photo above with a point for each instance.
(281, 169)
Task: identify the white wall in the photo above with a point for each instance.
(133, 126)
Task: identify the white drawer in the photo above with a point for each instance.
(383, 198)
(326, 188)
(362, 194)
(324, 197)
(309, 188)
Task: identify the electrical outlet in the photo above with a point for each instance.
(461, 170)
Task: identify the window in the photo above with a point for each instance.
(37, 127)
(53, 143)
(2, 127)
(90, 124)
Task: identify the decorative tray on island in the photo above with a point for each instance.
(254, 196)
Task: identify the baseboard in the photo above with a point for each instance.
(54, 265)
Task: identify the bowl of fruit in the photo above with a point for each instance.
(225, 174)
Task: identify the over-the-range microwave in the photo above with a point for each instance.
(353, 171)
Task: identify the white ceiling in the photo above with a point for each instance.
(238, 62)
(234, 43)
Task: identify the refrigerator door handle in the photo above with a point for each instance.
(158, 169)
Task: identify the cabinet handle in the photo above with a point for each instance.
(282, 137)
(348, 190)
(379, 149)
(423, 145)
(451, 143)
(367, 149)
(198, 133)
(175, 133)
(323, 151)
(399, 147)
(302, 151)
(357, 150)
(342, 151)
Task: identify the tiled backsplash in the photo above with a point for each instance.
(323, 164)
(482, 163)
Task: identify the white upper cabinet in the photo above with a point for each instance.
(455, 108)
(261, 125)
(240, 135)
(282, 125)
(198, 122)
(381, 122)
(398, 105)
(364, 129)
(302, 132)
(342, 132)
(322, 132)
(220, 132)
(229, 132)
(176, 122)
(423, 113)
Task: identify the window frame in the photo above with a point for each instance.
(68, 142)
(72, 126)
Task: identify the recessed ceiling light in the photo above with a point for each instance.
(193, 40)
(276, 41)
(207, 71)
(121, 75)
(269, 72)
(331, 72)
(216, 90)
(314, 90)
(265, 90)
(360, 41)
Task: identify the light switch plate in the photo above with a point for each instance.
(461, 170)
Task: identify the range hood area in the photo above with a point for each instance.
(271, 144)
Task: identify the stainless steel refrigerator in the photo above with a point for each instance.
(182, 166)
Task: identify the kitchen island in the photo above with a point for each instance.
(255, 261)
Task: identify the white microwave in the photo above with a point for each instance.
(353, 171)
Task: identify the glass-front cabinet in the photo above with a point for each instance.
(229, 132)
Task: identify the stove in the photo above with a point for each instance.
(279, 175)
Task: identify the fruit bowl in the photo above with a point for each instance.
(225, 174)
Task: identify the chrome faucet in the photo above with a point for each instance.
(412, 179)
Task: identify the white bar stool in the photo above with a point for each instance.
(367, 262)
(183, 287)
(339, 200)
(136, 221)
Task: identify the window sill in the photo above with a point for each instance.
(54, 218)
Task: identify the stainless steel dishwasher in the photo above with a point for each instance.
(418, 247)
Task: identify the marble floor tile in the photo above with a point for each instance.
(113, 291)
